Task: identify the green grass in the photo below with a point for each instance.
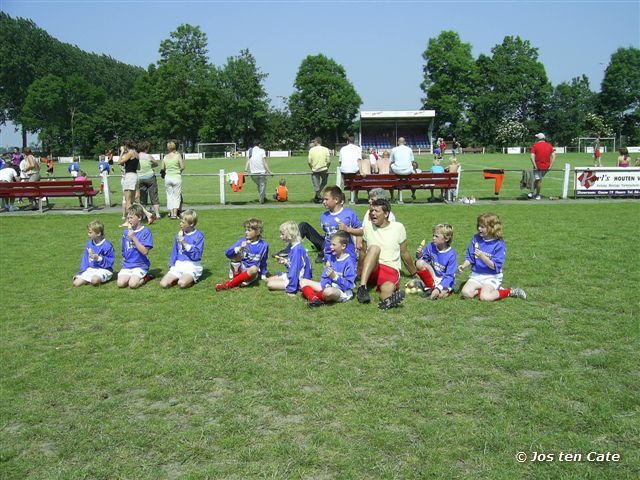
(105, 383)
(198, 190)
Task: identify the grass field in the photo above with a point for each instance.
(102, 383)
(199, 190)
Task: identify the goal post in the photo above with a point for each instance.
(588, 144)
(217, 149)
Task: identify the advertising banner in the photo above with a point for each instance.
(607, 181)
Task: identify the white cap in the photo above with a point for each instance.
(540, 136)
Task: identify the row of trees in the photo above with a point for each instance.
(505, 97)
(83, 103)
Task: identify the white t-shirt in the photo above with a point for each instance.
(256, 161)
(350, 155)
(8, 174)
(388, 239)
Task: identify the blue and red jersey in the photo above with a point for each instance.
(131, 257)
(253, 253)
(298, 266)
(192, 252)
(106, 255)
(330, 226)
(494, 249)
(444, 263)
(345, 268)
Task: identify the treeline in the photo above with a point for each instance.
(504, 98)
(83, 103)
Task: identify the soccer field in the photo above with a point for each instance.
(109, 383)
(205, 190)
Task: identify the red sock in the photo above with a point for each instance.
(238, 279)
(308, 293)
(478, 292)
(503, 292)
(320, 295)
(426, 278)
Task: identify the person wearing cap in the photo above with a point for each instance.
(542, 158)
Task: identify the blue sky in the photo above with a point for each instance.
(380, 43)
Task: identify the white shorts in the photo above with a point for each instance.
(184, 267)
(104, 274)
(344, 296)
(130, 181)
(74, 173)
(495, 280)
(132, 272)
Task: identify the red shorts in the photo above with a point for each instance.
(382, 274)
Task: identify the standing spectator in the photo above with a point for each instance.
(173, 165)
(109, 157)
(623, 159)
(455, 145)
(258, 168)
(442, 145)
(16, 157)
(319, 161)
(597, 155)
(147, 178)
(130, 161)
(32, 172)
(401, 161)
(542, 158)
(350, 158)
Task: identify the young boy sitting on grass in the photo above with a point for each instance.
(296, 261)
(338, 278)
(96, 265)
(185, 267)
(137, 241)
(247, 257)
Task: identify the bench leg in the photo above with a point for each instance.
(400, 201)
(353, 196)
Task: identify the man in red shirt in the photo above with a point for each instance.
(542, 157)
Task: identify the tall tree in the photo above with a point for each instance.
(240, 110)
(324, 101)
(450, 79)
(620, 92)
(566, 116)
(513, 86)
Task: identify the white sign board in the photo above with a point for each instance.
(278, 153)
(65, 159)
(156, 156)
(633, 149)
(560, 149)
(607, 181)
(193, 156)
(514, 150)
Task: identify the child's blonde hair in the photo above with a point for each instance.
(190, 216)
(136, 209)
(254, 224)
(445, 230)
(493, 224)
(96, 227)
(291, 230)
(454, 159)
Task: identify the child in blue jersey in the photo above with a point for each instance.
(73, 169)
(185, 267)
(335, 218)
(137, 241)
(338, 278)
(436, 263)
(486, 254)
(247, 257)
(96, 265)
(103, 170)
(296, 261)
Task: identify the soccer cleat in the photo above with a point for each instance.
(316, 302)
(222, 286)
(426, 292)
(518, 293)
(393, 301)
(363, 294)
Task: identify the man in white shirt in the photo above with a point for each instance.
(8, 174)
(350, 157)
(259, 169)
(401, 158)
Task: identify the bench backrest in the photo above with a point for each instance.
(415, 180)
(44, 189)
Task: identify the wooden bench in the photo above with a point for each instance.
(40, 190)
(472, 150)
(414, 181)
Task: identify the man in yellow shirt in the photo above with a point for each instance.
(319, 161)
(385, 244)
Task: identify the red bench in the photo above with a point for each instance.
(40, 190)
(414, 181)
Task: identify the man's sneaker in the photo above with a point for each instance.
(530, 195)
(363, 294)
(316, 302)
(538, 197)
(393, 301)
(518, 293)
